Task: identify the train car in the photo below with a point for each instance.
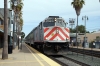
(29, 38)
(51, 36)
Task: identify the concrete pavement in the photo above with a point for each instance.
(26, 57)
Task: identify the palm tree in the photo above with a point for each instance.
(5, 46)
(77, 5)
(17, 9)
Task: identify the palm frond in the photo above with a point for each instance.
(78, 5)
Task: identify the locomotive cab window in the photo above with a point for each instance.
(60, 23)
(48, 24)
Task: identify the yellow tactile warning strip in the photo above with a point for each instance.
(35, 57)
(48, 60)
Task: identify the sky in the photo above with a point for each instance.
(35, 11)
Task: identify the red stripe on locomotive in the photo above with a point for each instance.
(61, 37)
(62, 30)
(50, 33)
(45, 29)
(64, 33)
(53, 37)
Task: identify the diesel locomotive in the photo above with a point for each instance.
(51, 36)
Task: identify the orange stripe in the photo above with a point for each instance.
(53, 37)
(45, 29)
(52, 30)
(63, 33)
(61, 37)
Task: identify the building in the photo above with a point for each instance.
(90, 37)
(2, 25)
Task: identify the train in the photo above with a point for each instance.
(51, 36)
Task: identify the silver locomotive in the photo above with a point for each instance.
(51, 36)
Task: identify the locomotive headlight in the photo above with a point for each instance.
(72, 41)
(46, 38)
(55, 20)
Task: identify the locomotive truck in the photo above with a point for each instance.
(51, 36)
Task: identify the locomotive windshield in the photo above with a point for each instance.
(47, 24)
(54, 22)
(60, 23)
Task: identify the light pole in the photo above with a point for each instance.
(14, 33)
(72, 22)
(10, 45)
(10, 42)
(84, 18)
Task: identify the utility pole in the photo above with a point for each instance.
(14, 31)
(5, 46)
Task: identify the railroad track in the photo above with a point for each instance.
(86, 52)
(58, 61)
(68, 60)
(65, 61)
(63, 64)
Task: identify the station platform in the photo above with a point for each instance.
(27, 56)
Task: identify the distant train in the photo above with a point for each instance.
(51, 36)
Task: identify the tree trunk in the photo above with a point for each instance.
(5, 46)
